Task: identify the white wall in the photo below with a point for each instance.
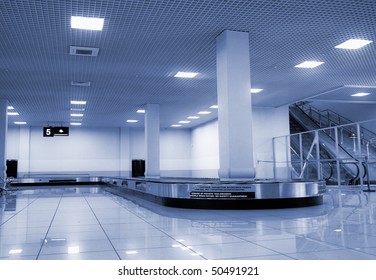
(205, 151)
(109, 151)
(267, 123)
(95, 151)
(175, 149)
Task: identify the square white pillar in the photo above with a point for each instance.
(3, 136)
(234, 106)
(152, 135)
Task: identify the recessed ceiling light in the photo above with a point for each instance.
(214, 107)
(20, 122)
(131, 252)
(193, 117)
(78, 102)
(184, 121)
(176, 125)
(10, 108)
(353, 44)
(204, 112)
(76, 123)
(13, 114)
(256, 90)
(309, 64)
(360, 94)
(186, 74)
(76, 115)
(141, 111)
(87, 23)
(132, 121)
(15, 251)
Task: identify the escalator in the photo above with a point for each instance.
(304, 150)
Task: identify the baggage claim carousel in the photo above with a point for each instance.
(196, 193)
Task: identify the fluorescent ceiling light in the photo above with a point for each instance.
(77, 115)
(176, 125)
(360, 94)
(132, 121)
(214, 107)
(13, 114)
(353, 44)
(256, 90)
(185, 75)
(309, 64)
(10, 108)
(15, 251)
(78, 102)
(87, 23)
(141, 111)
(76, 123)
(204, 112)
(184, 121)
(20, 122)
(78, 109)
(193, 117)
(131, 252)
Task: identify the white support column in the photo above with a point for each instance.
(125, 161)
(3, 136)
(152, 161)
(234, 106)
(24, 151)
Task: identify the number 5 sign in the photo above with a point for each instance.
(48, 131)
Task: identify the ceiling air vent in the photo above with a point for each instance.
(84, 51)
(80, 84)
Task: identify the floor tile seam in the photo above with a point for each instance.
(258, 257)
(328, 243)
(254, 243)
(20, 210)
(83, 252)
(122, 206)
(105, 233)
(334, 251)
(57, 208)
(162, 231)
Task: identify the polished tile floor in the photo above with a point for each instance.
(90, 223)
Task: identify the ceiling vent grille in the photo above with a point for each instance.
(80, 84)
(83, 51)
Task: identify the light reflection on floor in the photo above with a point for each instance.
(91, 223)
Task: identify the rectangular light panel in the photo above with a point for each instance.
(256, 90)
(78, 102)
(353, 44)
(309, 64)
(360, 94)
(185, 75)
(87, 23)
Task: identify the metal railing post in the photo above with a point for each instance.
(337, 159)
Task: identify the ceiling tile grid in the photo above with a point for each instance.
(145, 42)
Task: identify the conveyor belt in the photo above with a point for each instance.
(203, 193)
